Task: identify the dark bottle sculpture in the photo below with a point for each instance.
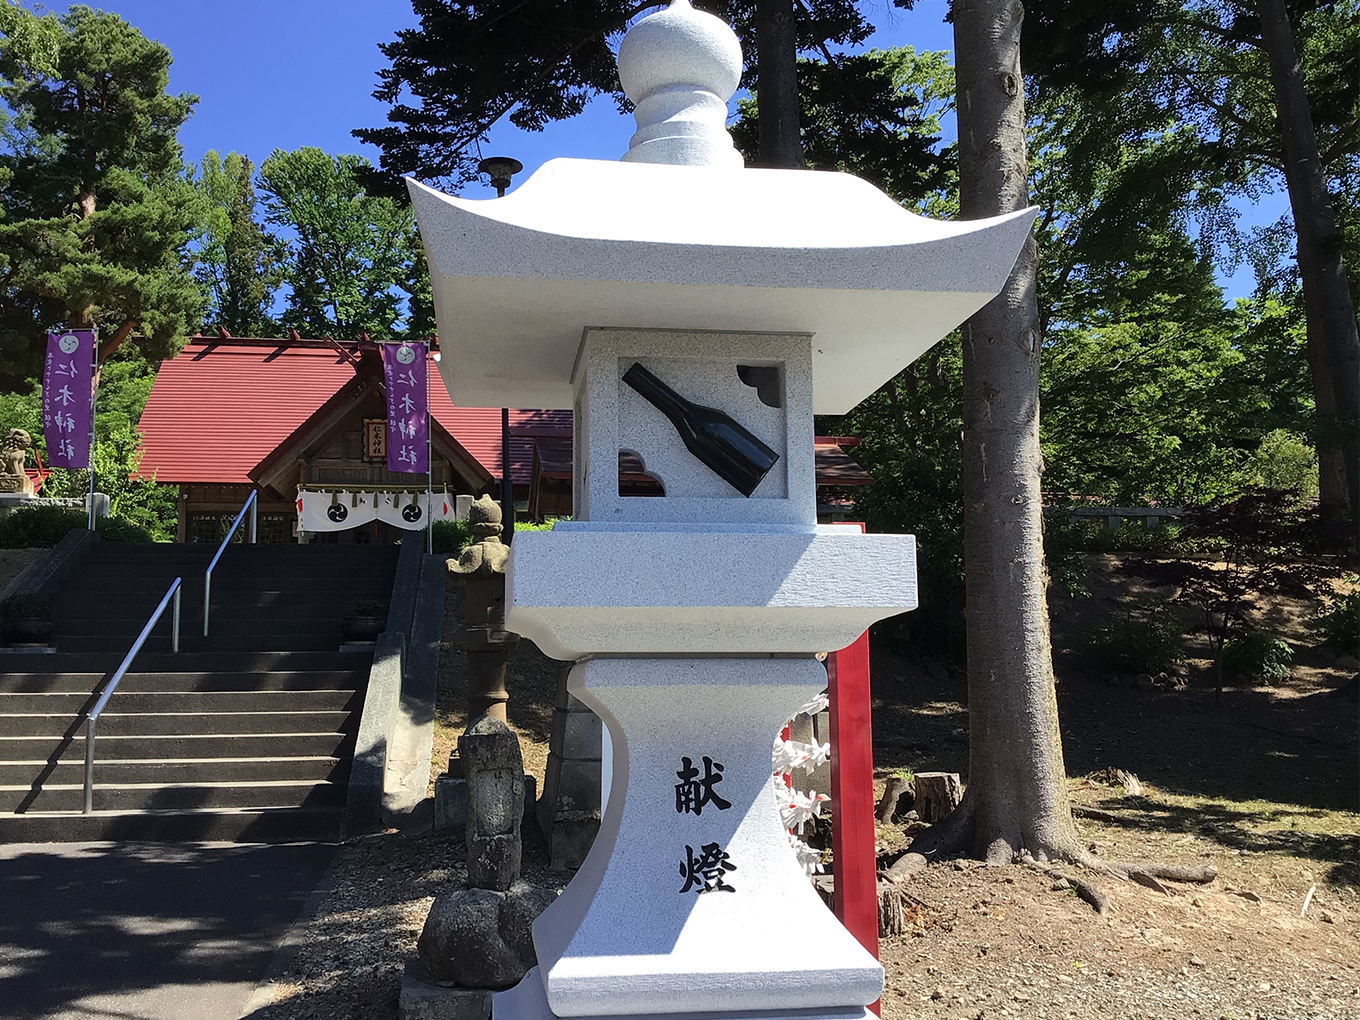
(726, 446)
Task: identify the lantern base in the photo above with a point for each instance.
(527, 1001)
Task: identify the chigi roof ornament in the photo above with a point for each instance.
(680, 67)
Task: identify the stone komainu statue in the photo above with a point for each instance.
(13, 451)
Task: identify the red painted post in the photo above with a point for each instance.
(852, 793)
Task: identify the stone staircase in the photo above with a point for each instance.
(247, 734)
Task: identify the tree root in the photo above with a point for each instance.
(1146, 875)
(954, 835)
(1108, 817)
(1091, 894)
(1200, 875)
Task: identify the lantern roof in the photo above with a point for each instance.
(594, 243)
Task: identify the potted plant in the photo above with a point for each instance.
(366, 620)
(26, 620)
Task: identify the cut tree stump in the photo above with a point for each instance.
(937, 794)
(889, 806)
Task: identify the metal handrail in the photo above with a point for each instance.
(93, 717)
(251, 505)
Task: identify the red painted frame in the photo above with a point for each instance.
(852, 793)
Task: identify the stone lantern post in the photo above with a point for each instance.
(695, 314)
(485, 640)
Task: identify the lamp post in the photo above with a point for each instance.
(500, 169)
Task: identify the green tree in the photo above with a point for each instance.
(30, 41)
(1265, 94)
(535, 61)
(875, 115)
(345, 253)
(234, 258)
(95, 209)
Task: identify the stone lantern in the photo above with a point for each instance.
(695, 314)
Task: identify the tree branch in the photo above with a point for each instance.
(114, 342)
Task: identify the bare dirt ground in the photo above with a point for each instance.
(1264, 785)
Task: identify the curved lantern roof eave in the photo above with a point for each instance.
(591, 243)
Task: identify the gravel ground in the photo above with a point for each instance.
(351, 952)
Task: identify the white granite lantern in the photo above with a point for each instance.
(695, 314)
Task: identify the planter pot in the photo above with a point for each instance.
(363, 628)
(28, 632)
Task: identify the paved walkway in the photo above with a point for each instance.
(145, 931)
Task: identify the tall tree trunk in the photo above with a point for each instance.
(1332, 327)
(1017, 795)
(781, 144)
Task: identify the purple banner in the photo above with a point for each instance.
(408, 420)
(67, 397)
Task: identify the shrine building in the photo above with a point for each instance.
(287, 416)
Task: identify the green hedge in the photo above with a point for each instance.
(41, 527)
(452, 537)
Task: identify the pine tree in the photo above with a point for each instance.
(469, 65)
(95, 208)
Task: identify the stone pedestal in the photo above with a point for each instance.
(569, 810)
(422, 999)
(677, 906)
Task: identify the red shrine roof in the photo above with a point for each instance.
(222, 405)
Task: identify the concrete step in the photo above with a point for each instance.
(113, 576)
(176, 746)
(290, 680)
(309, 769)
(223, 625)
(110, 796)
(140, 603)
(235, 552)
(115, 722)
(155, 661)
(266, 825)
(159, 643)
(124, 700)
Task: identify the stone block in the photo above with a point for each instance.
(571, 839)
(495, 802)
(576, 734)
(578, 787)
(450, 801)
(480, 938)
(423, 1000)
(583, 589)
(493, 861)
(461, 941)
(671, 903)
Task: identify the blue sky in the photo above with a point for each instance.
(288, 73)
